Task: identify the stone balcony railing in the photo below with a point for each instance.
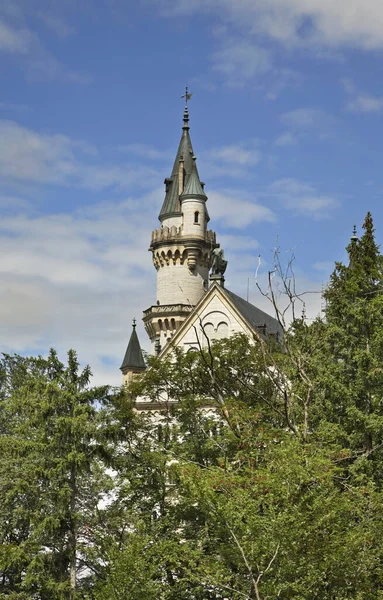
(166, 309)
(170, 233)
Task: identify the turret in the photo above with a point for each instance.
(182, 246)
(193, 206)
(133, 363)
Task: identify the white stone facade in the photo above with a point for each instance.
(193, 218)
(177, 284)
(214, 320)
(182, 256)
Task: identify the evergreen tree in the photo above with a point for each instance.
(353, 378)
(52, 475)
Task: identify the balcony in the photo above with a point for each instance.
(167, 310)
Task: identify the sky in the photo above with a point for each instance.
(285, 121)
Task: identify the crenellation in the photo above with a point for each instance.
(166, 233)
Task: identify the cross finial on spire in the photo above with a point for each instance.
(134, 322)
(187, 95)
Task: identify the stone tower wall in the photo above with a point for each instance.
(177, 284)
(190, 209)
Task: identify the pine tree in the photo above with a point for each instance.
(354, 338)
(52, 476)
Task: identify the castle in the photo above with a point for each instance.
(192, 307)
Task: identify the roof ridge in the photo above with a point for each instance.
(253, 314)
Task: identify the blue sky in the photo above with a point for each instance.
(285, 122)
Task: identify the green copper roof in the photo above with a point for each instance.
(133, 358)
(194, 187)
(171, 206)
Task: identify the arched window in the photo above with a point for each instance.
(196, 217)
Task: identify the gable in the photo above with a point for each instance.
(216, 320)
(214, 317)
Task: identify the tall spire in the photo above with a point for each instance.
(182, 170)
(181, 247)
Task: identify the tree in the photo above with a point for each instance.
(52, 474)
(263, 480)
(248, 507)
(354, 338)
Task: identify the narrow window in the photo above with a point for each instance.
(196, 217)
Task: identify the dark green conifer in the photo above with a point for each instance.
(352, 373)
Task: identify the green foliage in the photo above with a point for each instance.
(257, 475)
(51, 474)
(354, 343)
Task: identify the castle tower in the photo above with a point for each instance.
(133, 363)
(181, 247)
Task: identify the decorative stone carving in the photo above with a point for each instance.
(219, 263)
(179, 254)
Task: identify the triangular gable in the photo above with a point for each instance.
(215, 301)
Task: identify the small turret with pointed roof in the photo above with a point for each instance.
(193, 187)
(193, 205)
(133, 362)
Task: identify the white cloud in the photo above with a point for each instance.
(13, 107)
(241, 252)
(146, 151)
(303, 198)
(240, 60)
(18, 39)
(56, 24)
(366, 103)
(361, 101)
(237, 243)
(236, 154)
(286, 139)
(236, 212)
(235, 160)
(304, 121)
(281, 78)
(76, 281)
(15, 41)
(326, 23)
(12, 203)
(306, 118)
(28, 155)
